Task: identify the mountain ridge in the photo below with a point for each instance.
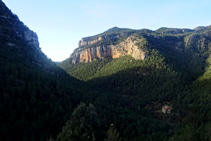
(37, 97)
(93, 49)
(124, 93)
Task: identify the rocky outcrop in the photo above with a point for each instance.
(31, 37)
(11, 25)
(127, 47)
(89, 40)
(83, 42)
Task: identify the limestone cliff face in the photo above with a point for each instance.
(87, 41)
(127, 47)
(83, 42)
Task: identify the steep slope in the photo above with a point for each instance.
(168, 74)
(37, 97)
(126, 47)
(113, 43)
(196, 106)
(114, 33)
(127, 88)
(198, 100)
(183, 49)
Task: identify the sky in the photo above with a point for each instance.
(60, 24)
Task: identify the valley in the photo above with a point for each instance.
(123, 83)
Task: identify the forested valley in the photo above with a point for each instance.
(106, 98)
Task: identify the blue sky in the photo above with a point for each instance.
(60, 24)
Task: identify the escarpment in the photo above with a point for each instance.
(91, 40)
(83, 42)
(126, 47)
(117, 42)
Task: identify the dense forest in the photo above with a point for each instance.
(176, 72)
(106, 99)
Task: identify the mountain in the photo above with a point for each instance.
(37, 97)
(114, 31)
(129, 85)
(178, 47)
(150, 69)
(107, 44)
(117, 42)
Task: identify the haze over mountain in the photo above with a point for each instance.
(123, 84)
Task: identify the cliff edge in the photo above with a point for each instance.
(126, 47)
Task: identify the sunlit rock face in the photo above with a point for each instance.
(82, 42)
(126, 47)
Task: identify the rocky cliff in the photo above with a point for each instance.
(10, 24)
(83, 42)
(31, 37)
(117, 44)
(93, 39)
(16, 37)
(126, 47)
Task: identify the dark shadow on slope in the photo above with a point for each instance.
(189, 62)
(199, 102)
(143, 88)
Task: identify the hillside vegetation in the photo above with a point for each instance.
(38, 97)
(106, 99)
(176, 72)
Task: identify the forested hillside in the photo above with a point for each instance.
(38, 97)
(112, 96)
(175, 72)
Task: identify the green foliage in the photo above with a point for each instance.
(199, 98)
(83, 125)
(170, 73)
(189, 133)
(138, 82)
(112, 134)
(37, 97)
(112, 37)
(35, 100)
(165, 30)
(108, 40)
(112, 31)
(83, 70)
(127, 76)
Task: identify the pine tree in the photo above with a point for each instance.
(84, 125)
(113, 134)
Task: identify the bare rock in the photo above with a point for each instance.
(31, 37)
(126, 47)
